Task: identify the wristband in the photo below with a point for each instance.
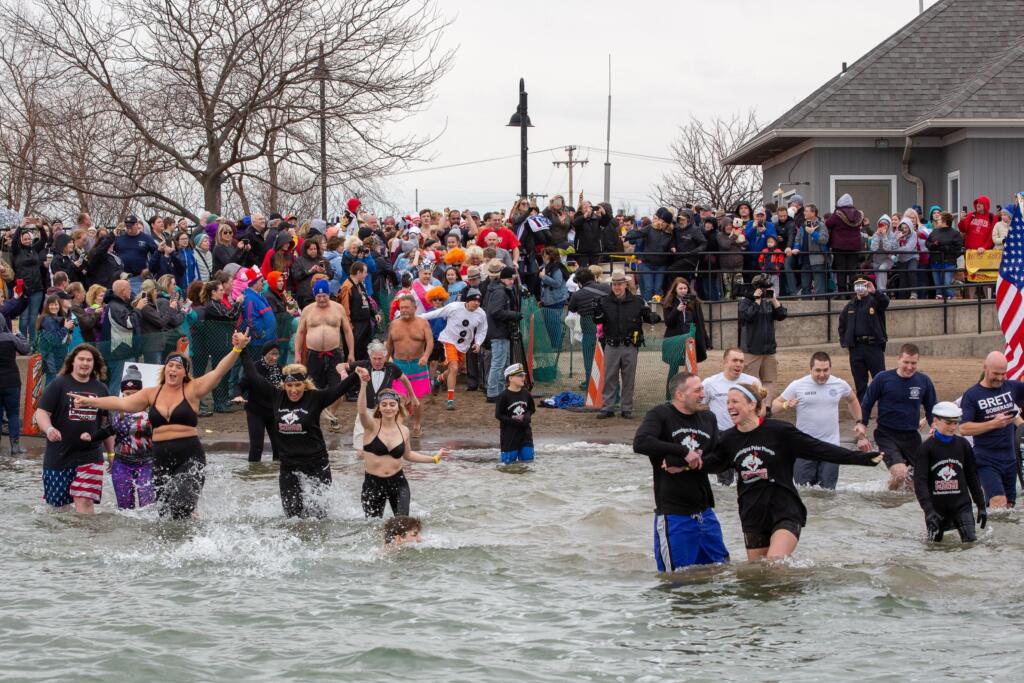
(110, 455)
(236, 350)
(437, 458)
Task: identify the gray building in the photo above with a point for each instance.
(933, 115)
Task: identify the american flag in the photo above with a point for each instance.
(1009, 289)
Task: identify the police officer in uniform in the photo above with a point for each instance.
(623, 314)
(862, 332)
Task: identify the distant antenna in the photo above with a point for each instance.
(608, 140)
(920, 6)
(844, 67)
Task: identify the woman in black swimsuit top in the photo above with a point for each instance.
(182, 414)
(179, 462)
(384, 481)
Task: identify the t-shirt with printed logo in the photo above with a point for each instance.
(72, 422)
(981, 404)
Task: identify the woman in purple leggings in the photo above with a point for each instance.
(131, 469)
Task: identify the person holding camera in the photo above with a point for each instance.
(587, 243)
(757, 317)
(27, 252)
(623, 314)
(811, 248)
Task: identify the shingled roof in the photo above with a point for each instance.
(960, 59)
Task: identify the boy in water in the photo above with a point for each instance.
(514, 410)
(402, 529)
(946, 478)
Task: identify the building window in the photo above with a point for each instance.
(953, 194)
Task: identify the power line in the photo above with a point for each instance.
(632, 155)
(469, 163)
(570, 163)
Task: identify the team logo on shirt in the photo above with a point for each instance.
(753, 467)
(946, 479)
(290, 421)
(915, 393)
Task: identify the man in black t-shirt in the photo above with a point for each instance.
(383, 375)
(686, 530)
(73, 462)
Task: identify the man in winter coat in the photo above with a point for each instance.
(977, 226)
(845, 241)
(689, 243)
(587, 224)
(257, 314)
(122, 329)
(503, 313)
(623, 314)
(757, 333)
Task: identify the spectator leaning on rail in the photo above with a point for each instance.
(688, 244)
(862, 332)
(757, 316)
(654, 243)
(623, 314)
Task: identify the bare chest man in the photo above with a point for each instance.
(323, 326)
(409, 337)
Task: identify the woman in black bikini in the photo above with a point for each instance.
(385, 443)
(179, 460)
(292, 413)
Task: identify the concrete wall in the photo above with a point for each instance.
(810, 326)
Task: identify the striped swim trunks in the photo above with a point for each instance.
(88, 482)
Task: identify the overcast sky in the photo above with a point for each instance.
(670, 59)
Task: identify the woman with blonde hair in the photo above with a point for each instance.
(763, 454)
(384, 481)
(292, 414)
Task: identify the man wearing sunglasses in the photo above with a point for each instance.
(991, 411)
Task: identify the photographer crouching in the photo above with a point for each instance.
(759, 309)
(623, 314)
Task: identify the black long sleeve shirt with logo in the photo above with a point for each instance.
(946, 477)
(667, 436)
(763, 459)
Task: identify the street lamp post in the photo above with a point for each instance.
(521, 120)
(321, 74)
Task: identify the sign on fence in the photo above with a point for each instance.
(983, 267)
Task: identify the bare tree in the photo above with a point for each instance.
(699, 176)
(204, 90)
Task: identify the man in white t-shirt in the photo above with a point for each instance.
(716, 389)
(816, 398)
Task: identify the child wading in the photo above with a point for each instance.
(131, 467)
(514, 410)
(946, 478)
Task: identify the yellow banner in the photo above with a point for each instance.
(983, 267)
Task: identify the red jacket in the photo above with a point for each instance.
(771, 261)
(977, 227)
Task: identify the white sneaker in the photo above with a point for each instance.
(913, 295)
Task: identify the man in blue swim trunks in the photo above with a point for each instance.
(686, 530)
(991, 408)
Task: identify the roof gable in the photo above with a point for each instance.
(953, 51)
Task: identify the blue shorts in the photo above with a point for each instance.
(684, 540)
(57, 486)
(523, 454)
(998, 479)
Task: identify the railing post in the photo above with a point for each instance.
(945, 315)
(828, 320)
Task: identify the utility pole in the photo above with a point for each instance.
(321, 73)
(608, 140)
(534, 197)
(570, 150)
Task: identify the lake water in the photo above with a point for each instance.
(545, 575)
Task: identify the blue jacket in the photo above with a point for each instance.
(756, 242)
(258, 316)
(553, 291)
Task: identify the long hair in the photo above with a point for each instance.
(53, 298)
(99, 366)
(670, 297)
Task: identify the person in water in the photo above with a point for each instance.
(179, 462)
(946, 478)
(73, 461)
(384, 481)
(763, 455)
(402, 529)
(269, 369)
(293, 413)
(131, 468)
(686, 529)
(514, 410)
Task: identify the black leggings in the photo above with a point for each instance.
(379, 491)
(179, 472)
(963, 522)
(299, 503)
(257, 430)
